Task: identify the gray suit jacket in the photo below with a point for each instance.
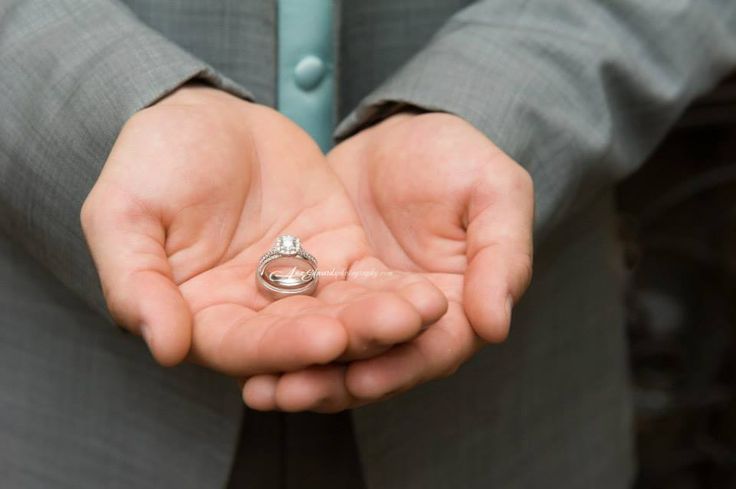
(577, 91)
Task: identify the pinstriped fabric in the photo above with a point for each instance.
(81, 404)
(237, 37)
(577, 96)
(378, 37)
(578, 93)
(549, 408)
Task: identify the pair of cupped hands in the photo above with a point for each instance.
(423, 223)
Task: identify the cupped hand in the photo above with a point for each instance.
(195, 190)
(438, 198)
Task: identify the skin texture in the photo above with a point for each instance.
(438, 198)
(195, 190)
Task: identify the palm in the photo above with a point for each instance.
(413, 194)
(229, 190)
(436, 197)
(221, 225)
(413, 199)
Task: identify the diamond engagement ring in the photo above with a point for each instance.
(287, 269)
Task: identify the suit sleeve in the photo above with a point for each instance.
(578, 92)
(71, 73)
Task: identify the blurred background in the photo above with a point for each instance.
(678, 220)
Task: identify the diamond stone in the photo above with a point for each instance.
(288, 245)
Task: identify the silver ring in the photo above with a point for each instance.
(287, 269)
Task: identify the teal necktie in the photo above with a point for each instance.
(306, 66)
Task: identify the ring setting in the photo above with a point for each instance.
(287, 269)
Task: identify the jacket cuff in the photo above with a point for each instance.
(490, 89)
(73, 72)
(578, 112)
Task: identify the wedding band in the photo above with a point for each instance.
(287, 269)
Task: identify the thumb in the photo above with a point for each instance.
(499, 253)
(127, 244)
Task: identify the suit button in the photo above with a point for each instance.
(309, 71)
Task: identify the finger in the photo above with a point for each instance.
(320, 389)
(380, 312)
(238, 341)
(127, 245)
(259, 392)
(376, 321)
(421, 293)
(499, 234)
(436, 353)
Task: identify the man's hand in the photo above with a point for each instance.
(436, 197)
(195, 190)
